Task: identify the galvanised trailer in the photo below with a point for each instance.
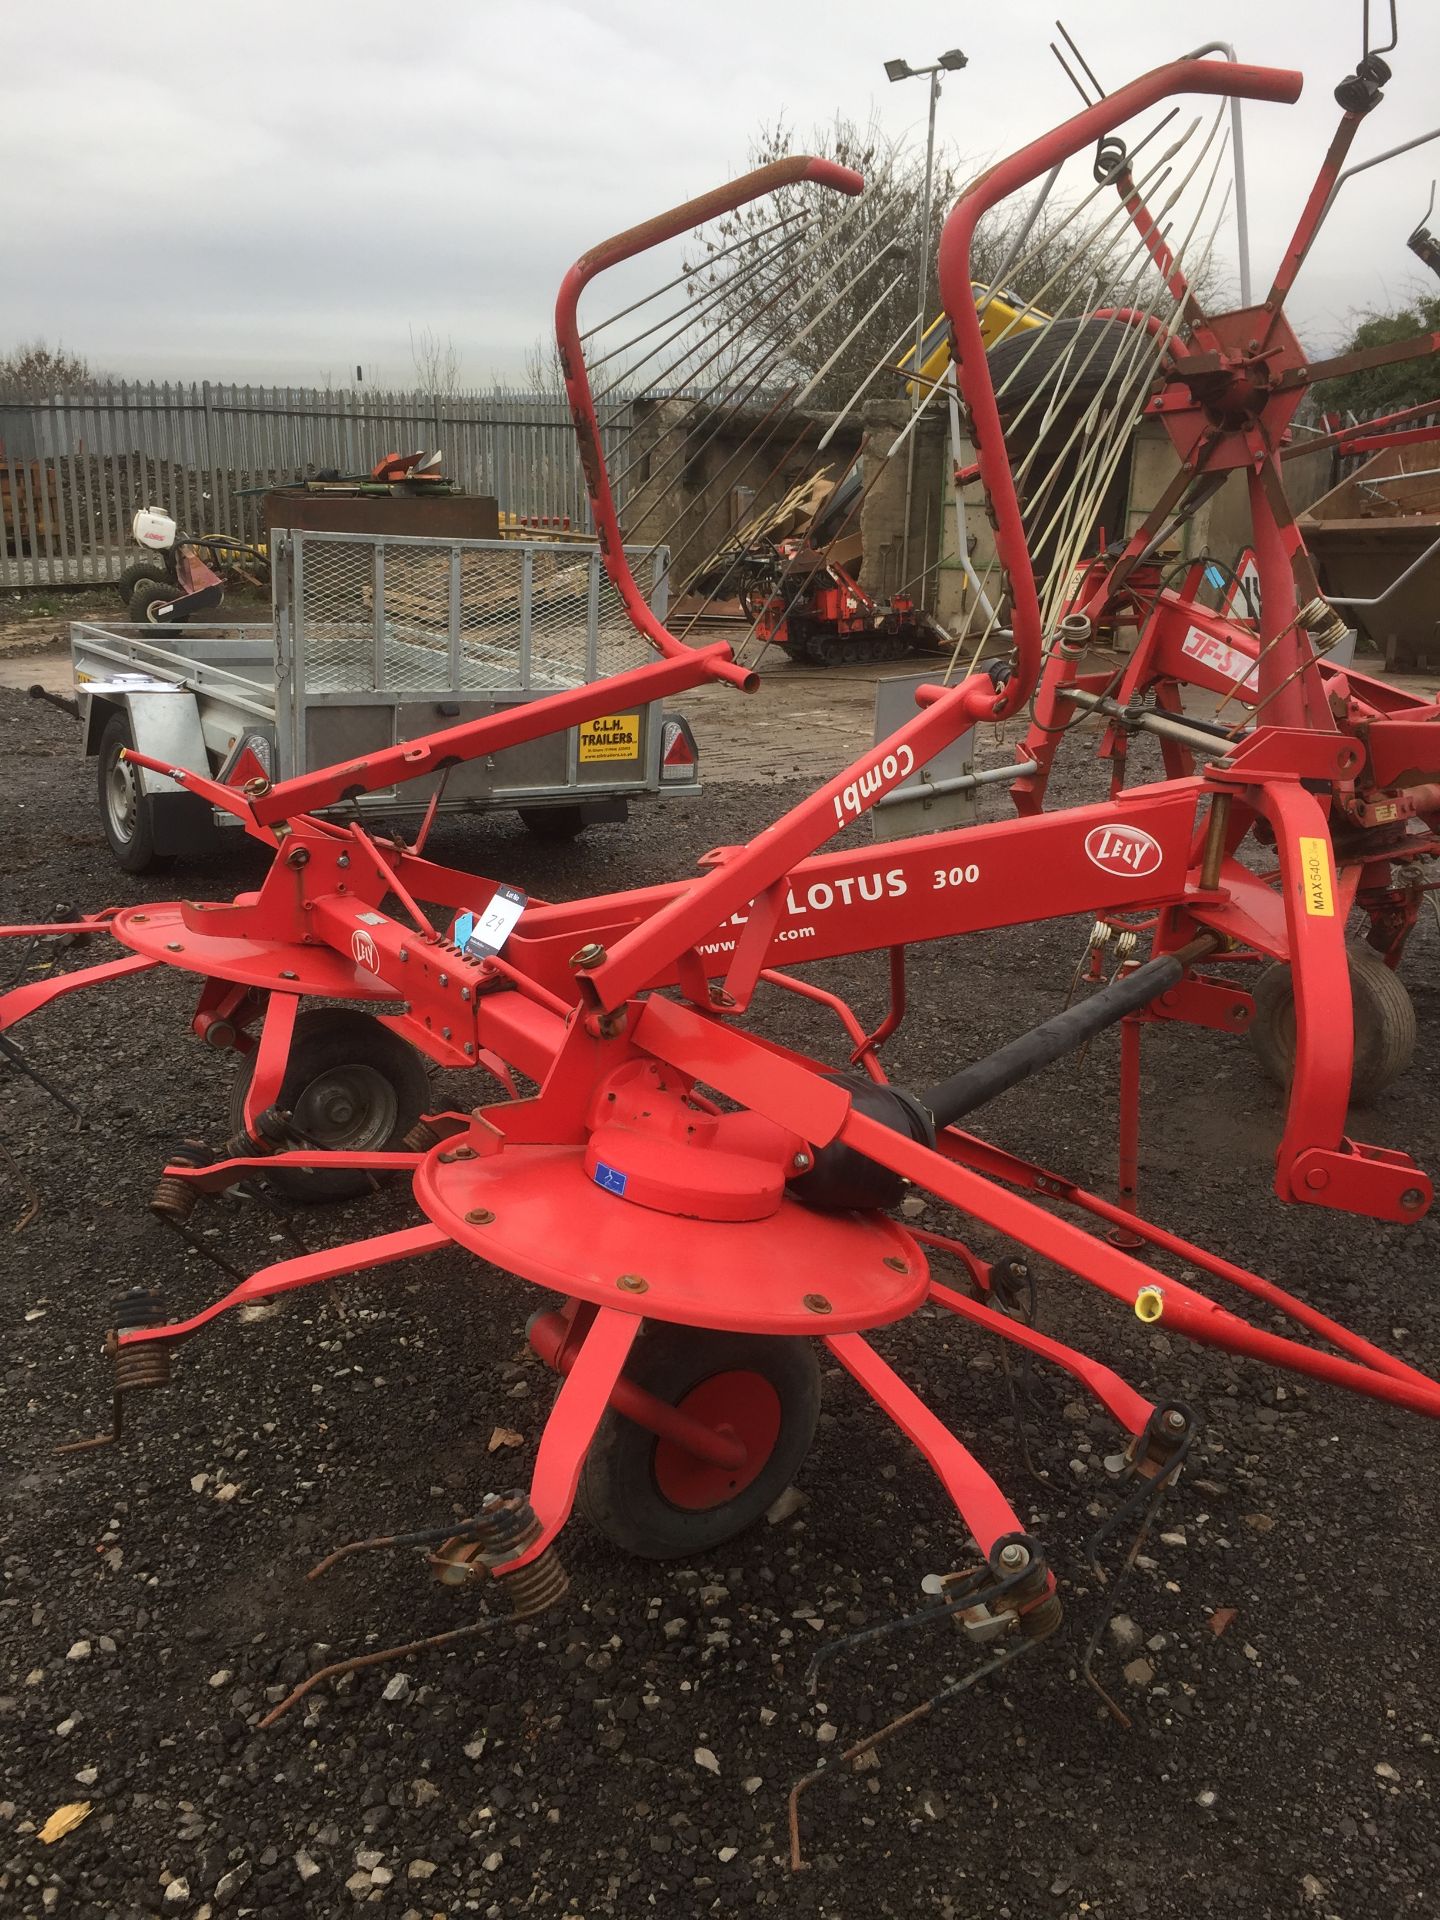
(375, 640)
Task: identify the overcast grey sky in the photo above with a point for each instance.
(278, 191)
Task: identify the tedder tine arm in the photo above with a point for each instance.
(1159, 251)
(304, 1270)
(1370, 436)
(956, 277)
(1125, 1406)
(579, 1407)
(980, 1503)
(1361, 361)
(220, 1175)
(1311, 216)
(271, 1057)
(22, 1001)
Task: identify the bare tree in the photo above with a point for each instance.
(846, 285)
(831, 264)
(33, 370)
(436, 360)
(542, 368)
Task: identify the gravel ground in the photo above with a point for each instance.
(154, 1600)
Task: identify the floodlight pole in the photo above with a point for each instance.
(901, 70)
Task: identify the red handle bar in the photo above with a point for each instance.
(650, 233)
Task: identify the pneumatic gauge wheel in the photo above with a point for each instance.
(1384, 1024)
(654, 1498)
(350, 1084)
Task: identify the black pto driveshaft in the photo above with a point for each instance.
(983, 1079)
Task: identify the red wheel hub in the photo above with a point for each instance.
(738, 1403)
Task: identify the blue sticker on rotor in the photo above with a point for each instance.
(611, 1178)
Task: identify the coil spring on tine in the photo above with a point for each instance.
(1041, 1620)
(173, 1197)
(1111, 154)
(537, 1585)
(542, 1581)
(1322, 623)
(271, 1135)
(1034, 1603)
(145, 1365)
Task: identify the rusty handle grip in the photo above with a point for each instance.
(1006, 177)
(624, 246)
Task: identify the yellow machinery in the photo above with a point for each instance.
(1000, 313)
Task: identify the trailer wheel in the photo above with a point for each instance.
(553, 823)
(654, 1498)
(133, 575)
(149, 596)
(1384, 1024)
(125, 809)
(349, 1084)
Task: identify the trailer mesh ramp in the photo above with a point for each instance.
(410, 616)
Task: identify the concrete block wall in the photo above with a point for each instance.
(888, 567)
(697, 473)
(1220, 526)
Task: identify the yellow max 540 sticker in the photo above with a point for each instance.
(1315, 878)
(614, 738)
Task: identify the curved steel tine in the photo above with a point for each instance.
(1394, 40)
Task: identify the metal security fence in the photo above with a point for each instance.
(75, 466)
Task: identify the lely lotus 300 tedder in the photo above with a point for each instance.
(710, 1206)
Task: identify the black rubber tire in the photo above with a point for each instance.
(330, 1042)
(149, 594)
(619, 1494)
(1384, 1025)
(1031, 358)
(133, 575)
(125, 811)
(553, 823)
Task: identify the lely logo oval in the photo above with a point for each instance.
(1126, 851)
(363, 948)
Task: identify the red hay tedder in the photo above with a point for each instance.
(709, 1204)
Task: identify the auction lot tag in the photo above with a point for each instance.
(614, 738)
(479, 935)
